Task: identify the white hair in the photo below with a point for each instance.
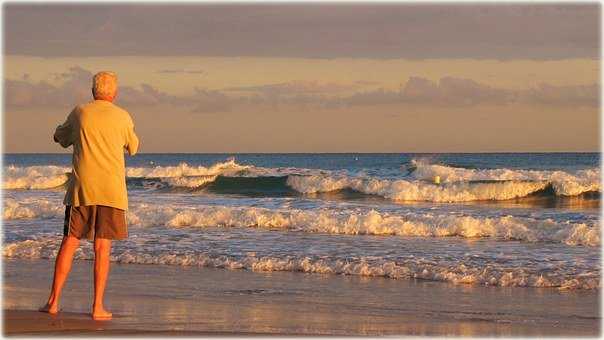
(104, 84)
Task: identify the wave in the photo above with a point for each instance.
(404, 190)
(332, 221)
(229, 167)
(564, 183)
(456, 184)
(31, 208)
(182, 175)
(35, 177)
(371, 223)
(455, 272)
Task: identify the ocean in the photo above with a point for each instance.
(502, 219)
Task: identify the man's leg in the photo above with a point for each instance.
(102, 251)
(62, 267)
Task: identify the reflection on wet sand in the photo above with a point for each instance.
(193, 300)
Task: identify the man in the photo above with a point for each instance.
(96, 198)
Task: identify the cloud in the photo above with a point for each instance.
(581, 95)
(23, 93)
(74, 88)
(209, 101)
(181, 71)
(293, 89)
(452, 91)
(326, 30)
(369, 98)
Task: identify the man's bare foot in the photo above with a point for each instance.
(101, 314)
(50, 309)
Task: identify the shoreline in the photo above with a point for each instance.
(19, 323)
(173, 300)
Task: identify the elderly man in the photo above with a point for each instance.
(96, 198)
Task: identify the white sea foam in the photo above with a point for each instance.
(352, 222)
(227, 168)
(457, 184)
(34, 177)
(50, 176)
(457, 272)
(371, 223)
(404, 190)
(30, 208)
(189, 181)
(564, 183)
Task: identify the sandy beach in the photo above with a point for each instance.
(200, 301)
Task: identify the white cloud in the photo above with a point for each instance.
(448, 91)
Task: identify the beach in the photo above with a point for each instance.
(304, 169)
(157, 299)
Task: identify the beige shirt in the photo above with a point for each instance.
(99, 132)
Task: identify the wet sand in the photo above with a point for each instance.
(171, 300)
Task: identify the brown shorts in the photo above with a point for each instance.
(95, 221)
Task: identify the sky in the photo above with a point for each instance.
(303, 77)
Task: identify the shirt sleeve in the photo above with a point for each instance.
(131, 139)
(64, 132)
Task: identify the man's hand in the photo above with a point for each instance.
(63, 133)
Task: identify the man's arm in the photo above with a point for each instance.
(64, 132)
(131, 139)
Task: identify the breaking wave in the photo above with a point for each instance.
(564, 183)
(35, 177)
(182, 175)
(371, 223)
(456, 184)
(30, 209)
(404, 190)
(350, 222)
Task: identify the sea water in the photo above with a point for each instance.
(512, 219)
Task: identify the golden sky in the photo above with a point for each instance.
(363, 95)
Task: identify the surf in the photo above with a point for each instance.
(338, 221)
(462, 272)
(414, 183)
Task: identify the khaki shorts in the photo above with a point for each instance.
(95, 221)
